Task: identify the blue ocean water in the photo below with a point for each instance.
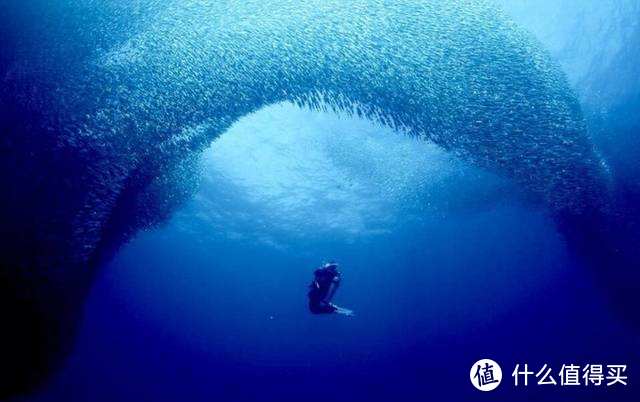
(443, 264)
(451, 250)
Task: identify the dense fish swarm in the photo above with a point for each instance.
(455, 73)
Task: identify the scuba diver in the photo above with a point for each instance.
(322, 289)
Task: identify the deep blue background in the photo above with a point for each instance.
(443, 264)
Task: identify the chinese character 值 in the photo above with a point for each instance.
(486, 377)
(570, 375)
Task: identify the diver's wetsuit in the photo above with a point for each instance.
(321, 290)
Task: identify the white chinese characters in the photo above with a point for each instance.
(573, 375)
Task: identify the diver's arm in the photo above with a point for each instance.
(333, 287)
